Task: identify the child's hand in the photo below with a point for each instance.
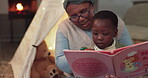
(111, 76)
(85, 48)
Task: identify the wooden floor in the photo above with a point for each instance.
(5, 70)
(7, 51)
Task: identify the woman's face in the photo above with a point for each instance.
(81, 14)
(103, 32)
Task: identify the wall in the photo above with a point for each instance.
(118, 6)
(11, 28)
(19, 26)
(3, 6)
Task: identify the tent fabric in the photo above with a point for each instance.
(46, 17)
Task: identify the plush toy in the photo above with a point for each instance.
(44, 64)
(54, 72)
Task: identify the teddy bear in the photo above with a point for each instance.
(54, 72)
(44, 64)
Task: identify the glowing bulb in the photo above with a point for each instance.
(19, 6)
(62, 1)
(50, 48)
(43, 8)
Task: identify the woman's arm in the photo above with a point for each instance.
(126, 38)
(61, 44)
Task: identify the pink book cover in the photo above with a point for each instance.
(127, 62)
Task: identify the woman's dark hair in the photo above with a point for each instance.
(105, 14)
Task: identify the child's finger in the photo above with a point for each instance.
(107, 76)
(113, 76)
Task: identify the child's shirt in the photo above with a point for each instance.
(110, 48)
(114, 46)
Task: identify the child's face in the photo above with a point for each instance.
(103, 32)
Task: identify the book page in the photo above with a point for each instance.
(126, 47)
(89, 64)
(133, 61)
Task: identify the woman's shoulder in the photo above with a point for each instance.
(66, 22)
(119, 45)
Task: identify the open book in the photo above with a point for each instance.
(130, 61)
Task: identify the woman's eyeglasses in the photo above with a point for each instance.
(84, 13)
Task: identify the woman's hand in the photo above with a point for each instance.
(111, 76)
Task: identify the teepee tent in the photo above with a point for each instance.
(47, 16)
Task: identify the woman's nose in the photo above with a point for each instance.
(81, 18)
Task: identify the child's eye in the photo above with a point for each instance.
(44, 50)
(95, 33)
(105, 34)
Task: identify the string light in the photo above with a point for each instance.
(50, 48)
(19, 6)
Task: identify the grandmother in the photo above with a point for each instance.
(75, 32)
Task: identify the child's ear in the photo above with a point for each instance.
(116, 33)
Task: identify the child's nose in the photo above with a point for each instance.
(100, 37)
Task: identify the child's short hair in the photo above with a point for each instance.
(104, 14)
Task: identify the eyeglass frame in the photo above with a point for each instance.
(81, 14)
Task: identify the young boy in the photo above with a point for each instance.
(104, 31)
